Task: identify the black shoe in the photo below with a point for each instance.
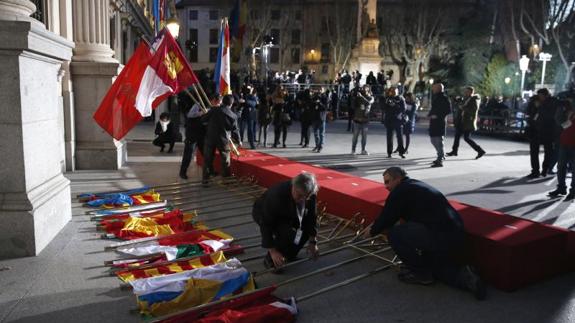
(480, 154)
(451, 153)
(183, 176)
(388, 155)
(474, 283)
(205, 183)
(402, 156)
(544, 173)
(315, 149)
(437, 164)
(275, 146)
(570, 196)
(170, 151)
(284, 145)
(557, 192)
(533, 175)
(304, 146)
(162, 149)
(319, 150)
(409, 277)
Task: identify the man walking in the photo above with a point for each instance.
(221, 125)
(466, 122)
(440, 108)
(194, 136)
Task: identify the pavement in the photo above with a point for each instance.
(67, 283)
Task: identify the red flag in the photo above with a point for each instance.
(117, 113)
(147, 79)
(258, 306)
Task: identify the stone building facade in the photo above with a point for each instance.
(59, 57)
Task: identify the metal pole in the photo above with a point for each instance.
(522, 82)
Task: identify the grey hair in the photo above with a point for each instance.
(305, 183)
(395, 172)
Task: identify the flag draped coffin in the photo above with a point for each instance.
(170, 293)
(259, 306)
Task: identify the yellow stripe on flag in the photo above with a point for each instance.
(147, 226)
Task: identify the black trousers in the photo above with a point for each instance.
(398, 129)
(280, 130)
(305, 127)
(466, 138)
(189, 146)
(160, 142)
(549, 159)
(425, 251)
(209, 152)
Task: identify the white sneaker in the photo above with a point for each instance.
(364, 152)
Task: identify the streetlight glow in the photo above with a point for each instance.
(544, 57)
(523, 66)
(173, 26)
(431, 81)
(507, 80)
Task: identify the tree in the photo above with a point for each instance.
(497, 70)
(340, 27)
(551, 21)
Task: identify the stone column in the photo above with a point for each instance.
(93, 71)
(34, 196)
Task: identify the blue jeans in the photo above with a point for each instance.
(319, 133)
(357, 129)
(437, 143)
(566, 160)
(251, 126)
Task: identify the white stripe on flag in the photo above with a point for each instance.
(150, 248)
(151, 87)
(218, 272)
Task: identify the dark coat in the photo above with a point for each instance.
(362, 107)
(319, 110)
(275, 212)
(440, 107)
(547, 128)
(167, 136)
(394, 108)
(469, 111)
(415, 201)
(221, 124)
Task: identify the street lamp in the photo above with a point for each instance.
(173, 26)
(430, 86)
(523, 66)
(544, 57)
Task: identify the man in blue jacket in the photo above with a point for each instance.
(430, 232)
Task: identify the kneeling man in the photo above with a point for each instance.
(430, 232)
(286, 214)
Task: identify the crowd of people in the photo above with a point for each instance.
(256, 107)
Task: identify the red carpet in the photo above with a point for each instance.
(510, 252)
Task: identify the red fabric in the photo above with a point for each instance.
(510, 252)
(249, 309)
(180, 75)
(568, 136)
(117, 113)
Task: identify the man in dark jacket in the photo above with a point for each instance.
(440, 108)
(431, 231)
(221, 123)
(547, 129)
(305, 106)
(393, 109)
(194, 136)
(286, 214)
(319, 117)
(466, 122)
(363, 101)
